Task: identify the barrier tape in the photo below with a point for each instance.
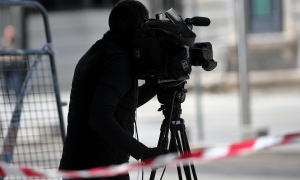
(202, 155)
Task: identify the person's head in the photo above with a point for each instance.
(127, 16)
(9, 33)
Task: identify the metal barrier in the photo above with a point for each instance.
(31, 120)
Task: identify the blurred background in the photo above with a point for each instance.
(217, 108)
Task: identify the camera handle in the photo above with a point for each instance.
(171, 98)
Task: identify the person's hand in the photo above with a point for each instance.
(153, 152)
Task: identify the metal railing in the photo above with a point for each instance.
(31, 119)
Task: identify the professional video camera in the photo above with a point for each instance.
(164, 50)
(164, 53)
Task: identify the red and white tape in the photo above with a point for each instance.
(203, 154)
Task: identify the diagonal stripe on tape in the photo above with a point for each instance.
(2, 173)
(10, 170)
(31, 173)
(238, 147)
(215, 153)
(264, 142)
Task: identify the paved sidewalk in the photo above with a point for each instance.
(253, 167)
(277, 112)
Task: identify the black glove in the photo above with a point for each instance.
(153, 152)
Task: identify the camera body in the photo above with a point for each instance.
(164, 50)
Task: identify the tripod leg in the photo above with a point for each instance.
(183, 150)
(173, 148)
(162, 139)
(161, 142)
(152, 175)
(187, 147)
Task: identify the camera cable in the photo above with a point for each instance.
(135, 85)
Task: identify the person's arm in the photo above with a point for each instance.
(146, 92)
(115, 81)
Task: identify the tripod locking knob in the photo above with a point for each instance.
(180, 97)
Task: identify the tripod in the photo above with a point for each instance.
(171, 95)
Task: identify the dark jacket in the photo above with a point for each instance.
(102, 107)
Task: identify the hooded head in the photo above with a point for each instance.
(127, 16)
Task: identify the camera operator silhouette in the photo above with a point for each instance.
(104, 98)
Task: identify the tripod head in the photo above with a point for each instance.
(171, 95)
(166, 90)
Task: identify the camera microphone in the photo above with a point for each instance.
(198, 21)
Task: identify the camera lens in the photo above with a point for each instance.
(209, 65)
